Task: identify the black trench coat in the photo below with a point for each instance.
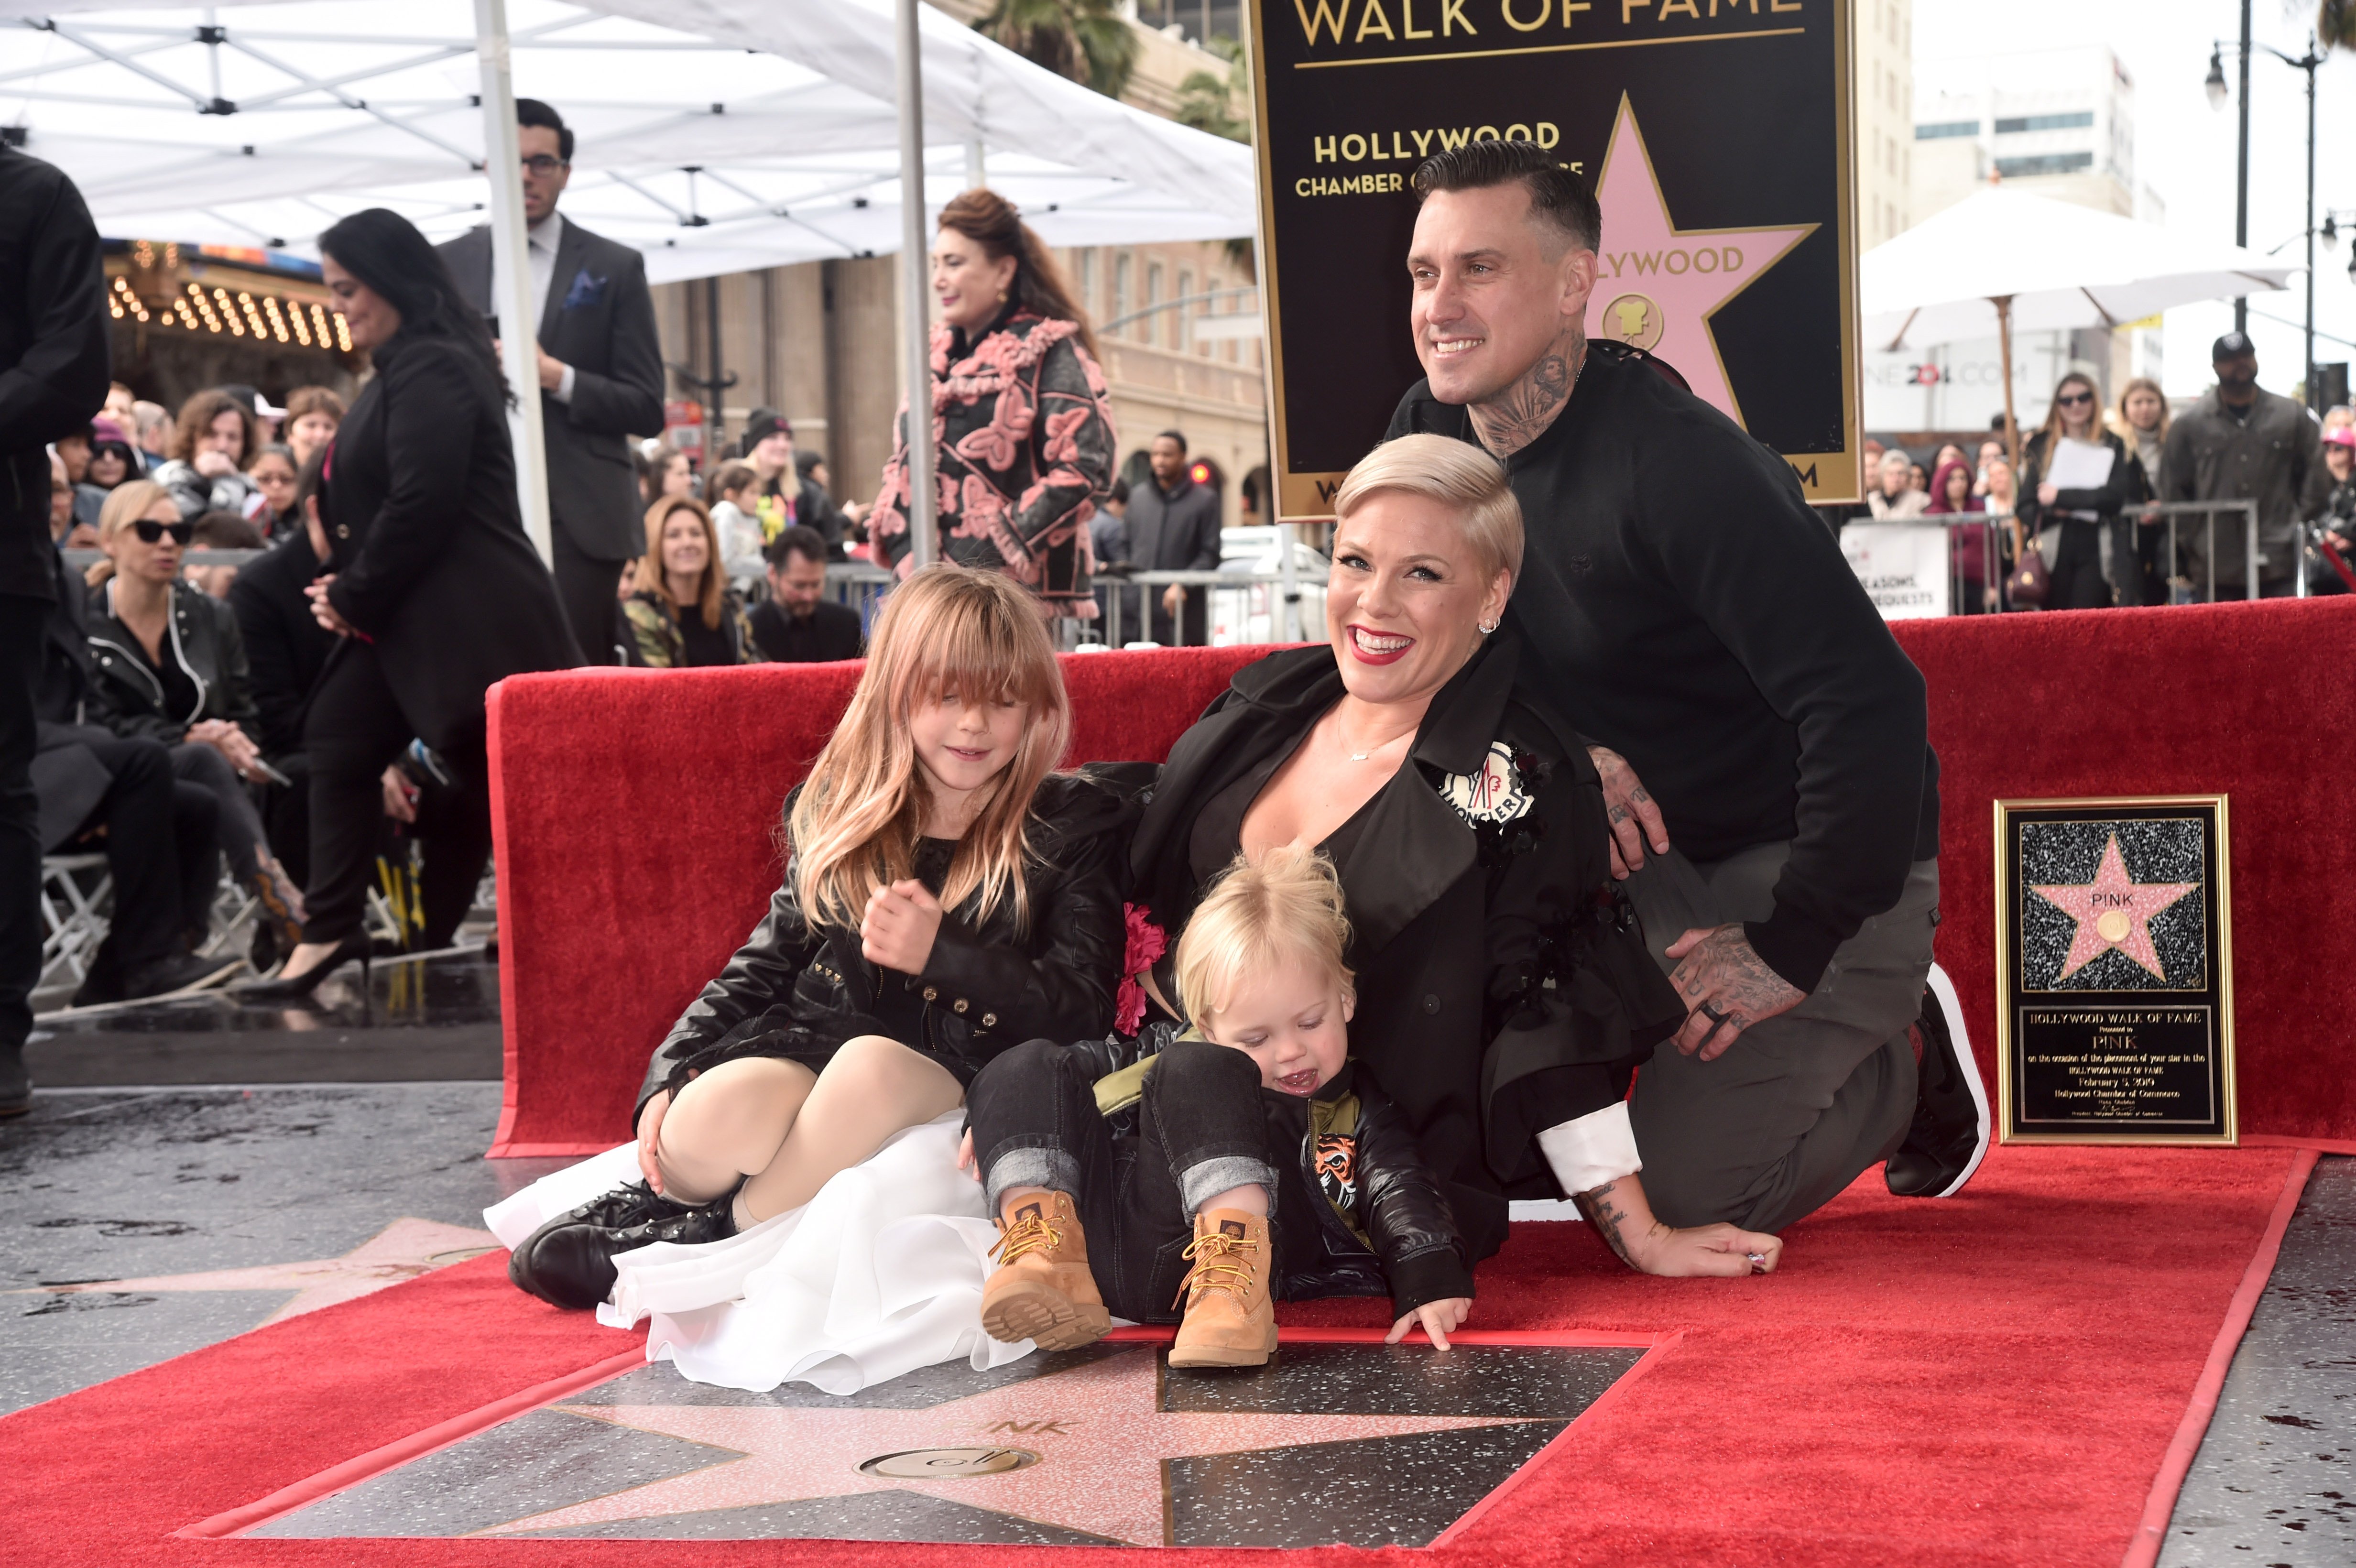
(427, 541)
(1503, 981)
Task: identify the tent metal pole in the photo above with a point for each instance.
(511, 271)
(916, 322)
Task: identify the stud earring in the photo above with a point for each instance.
(1488, 626)
(1002, 296)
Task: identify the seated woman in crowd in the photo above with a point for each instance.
(311, 415)
(1256, 1115)
(273, 469)
(209, 445)
(170, 667)
(945, 897)
(1505, 995)
(683, 612)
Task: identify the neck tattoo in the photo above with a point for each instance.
(1521, 412)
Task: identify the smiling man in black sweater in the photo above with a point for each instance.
(1693, 619)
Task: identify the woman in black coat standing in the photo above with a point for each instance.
(431, 582)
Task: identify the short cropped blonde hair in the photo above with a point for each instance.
(1460, 476)
(1285, 907)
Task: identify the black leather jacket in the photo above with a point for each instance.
(203, 638)
(794, 988)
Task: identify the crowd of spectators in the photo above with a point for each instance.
(2086, 521)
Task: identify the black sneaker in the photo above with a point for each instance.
(1950, 1134)
(569, 1261)
(15, 1084)
(161, 976)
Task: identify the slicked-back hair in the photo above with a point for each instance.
(532, 111)
(1558, 197)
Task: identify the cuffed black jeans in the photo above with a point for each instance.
(1201, 1131)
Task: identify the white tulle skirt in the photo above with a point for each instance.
(879, 1274)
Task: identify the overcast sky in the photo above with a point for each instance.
(2184, 150)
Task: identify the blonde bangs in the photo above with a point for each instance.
(947, 629)
(1285, 907)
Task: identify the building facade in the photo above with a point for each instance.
(1882, 99)
(819, 341)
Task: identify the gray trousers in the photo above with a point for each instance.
(1802, 1103)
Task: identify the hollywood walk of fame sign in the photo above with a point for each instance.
(1354, 1442)
(1715, 132)
(2114, 1020)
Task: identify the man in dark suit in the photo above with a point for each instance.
(1174, 526)
(600, 376)
(797, 623)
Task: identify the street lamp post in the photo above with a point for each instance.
(2308, 62)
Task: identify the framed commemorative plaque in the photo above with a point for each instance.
(2114, 971)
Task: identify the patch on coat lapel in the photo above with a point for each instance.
(1494, 793)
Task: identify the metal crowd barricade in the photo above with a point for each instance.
(2252, 559)
(1123, 599)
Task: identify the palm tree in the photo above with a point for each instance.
(1087, 40)
(1220, 102)
(2335, 24)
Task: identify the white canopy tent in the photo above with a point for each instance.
(715, 135)
(2000, 260)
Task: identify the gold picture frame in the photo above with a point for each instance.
(2107, 1030)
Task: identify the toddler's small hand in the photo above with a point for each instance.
(1440, 1318)
(965, 1156)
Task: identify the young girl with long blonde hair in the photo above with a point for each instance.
(946, 896)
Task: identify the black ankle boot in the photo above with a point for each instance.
(569, 1261)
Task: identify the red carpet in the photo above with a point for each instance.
(1993, 1379)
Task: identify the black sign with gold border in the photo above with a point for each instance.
(1716, 132)
(2114, 971)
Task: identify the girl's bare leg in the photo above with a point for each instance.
(873, 1088)
(729, 1122)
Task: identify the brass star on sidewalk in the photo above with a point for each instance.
(402, 1249)
(1089, 1442)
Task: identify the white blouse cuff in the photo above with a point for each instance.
(1593, 1150)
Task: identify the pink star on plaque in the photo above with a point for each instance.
(2112, 913)
(1080, 1449)
(1657, 286)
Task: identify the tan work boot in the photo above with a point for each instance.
(1230, 1320)
(1043, 1290)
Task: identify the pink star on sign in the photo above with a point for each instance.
(1657, 286)
(1099, 1439)
(2112, 913)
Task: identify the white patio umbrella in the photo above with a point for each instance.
(2000, 259)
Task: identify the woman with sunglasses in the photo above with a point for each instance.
(431, 584)
(170, 667)
(2076, 478)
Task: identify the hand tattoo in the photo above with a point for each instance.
(1520, 413)
(1598, 1210)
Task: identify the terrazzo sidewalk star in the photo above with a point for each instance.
(2114, 914)
(1089, 1441)
(402, 1249)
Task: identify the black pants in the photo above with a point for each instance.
(355, 728)
(2078, 581)
(585, 586)
(286, 815)
(240, 829)
(24, 626)
(160, 851)
(1201, 1131)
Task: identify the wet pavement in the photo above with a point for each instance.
(2274, 1483)
(430, 1018)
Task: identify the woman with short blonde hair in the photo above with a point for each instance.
(1503, 988)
